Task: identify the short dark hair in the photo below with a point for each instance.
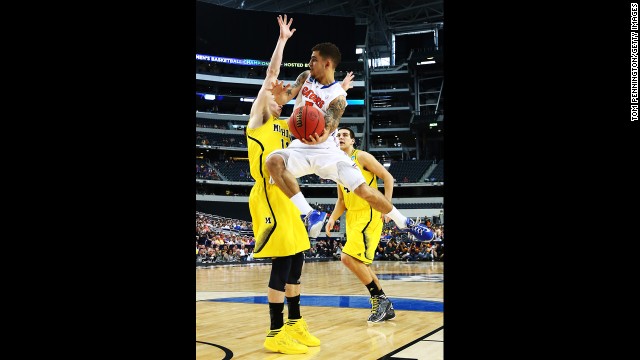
(329, 50)
(351, 133)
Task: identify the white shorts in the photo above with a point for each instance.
(332, 164)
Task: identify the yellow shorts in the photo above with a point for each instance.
(277, 226)
(363, 234)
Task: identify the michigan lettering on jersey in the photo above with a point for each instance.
(283, 132)
(313, 97)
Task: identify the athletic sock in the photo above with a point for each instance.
(275, 312)
(373, 289)
(398, 218)
(293, 303)
(301, 203)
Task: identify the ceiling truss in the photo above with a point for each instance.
(382, 17)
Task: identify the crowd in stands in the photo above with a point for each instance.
(226, 240)
(410, 251)
(398, 245)
(205, 171)
(220, 239)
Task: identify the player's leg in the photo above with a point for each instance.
(280, 175)
(363, 235)
(296, 325)
(278, 339)
(279, 163)
(377, 201)
(383, 303)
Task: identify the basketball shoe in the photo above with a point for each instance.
(314, 221)
(381, 309)
(280, 341)
(298, 329)
(420, 231)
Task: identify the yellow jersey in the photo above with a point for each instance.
(352, 201)
(273, 135)
(277, 227)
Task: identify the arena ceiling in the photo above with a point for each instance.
(382, 17)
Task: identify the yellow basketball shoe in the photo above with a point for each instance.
(280, 341)
(299, 330)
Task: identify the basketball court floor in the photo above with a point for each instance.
(232, 316)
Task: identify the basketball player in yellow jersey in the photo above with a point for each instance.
(364, 225)
(278, 229)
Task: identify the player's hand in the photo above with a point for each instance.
(385, 218)
(329, 226)
(315, 139)
(285, 31)
(346, 83)
(278, 88)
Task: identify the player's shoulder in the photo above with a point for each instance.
(361, 152)
(304, 75)
(339, 100)
(258, 118)
(363, 155)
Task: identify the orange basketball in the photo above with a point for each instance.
(305, 121)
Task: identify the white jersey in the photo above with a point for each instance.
(320, 96)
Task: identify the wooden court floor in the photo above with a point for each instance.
(232, 317)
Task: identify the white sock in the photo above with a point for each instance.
(399, 219)
(301, 203)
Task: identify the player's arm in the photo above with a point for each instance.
(292, 91)
(370, 163)
(334, 113)
(260, 107)
(338, 210)
(331, 120)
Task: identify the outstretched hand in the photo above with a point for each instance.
(285, 31)
(278, 88)
(346, 83)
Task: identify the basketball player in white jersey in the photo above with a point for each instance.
(321, 154)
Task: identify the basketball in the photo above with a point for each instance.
(305, 121)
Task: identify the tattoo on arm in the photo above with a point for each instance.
(298, 83)
(290, 91)
(334, 113)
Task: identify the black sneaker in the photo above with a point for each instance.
(381, 309)
(391, 313)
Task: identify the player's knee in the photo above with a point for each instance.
(276, 282)
(345, 259)
(274, 164)
(279, 272)
(297, 261)
(364, 191)
(348, 260)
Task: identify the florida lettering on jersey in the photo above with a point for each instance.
(312, 96)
